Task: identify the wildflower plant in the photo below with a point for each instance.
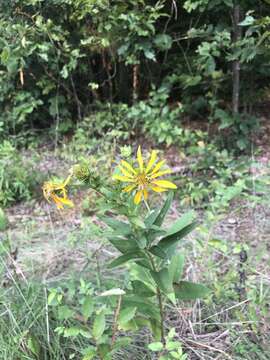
(57, 192)
(144, 177)
(146, 248)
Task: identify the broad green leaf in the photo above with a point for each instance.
(181, 223)
(87, 307)
(99, 325)
(137, 222)
(129, 326)
(156, 329)
(124, 258)
(139, 273)
(72, 331)
(162, 279)
(33, 345)
(126, 315)
(155, 346)
(154, 232)
(121, 342)
(85, 333)
(176, 268)
(123, 245)
(89, 353)
(104, 351)
(141, 241)
(163, 41)
(65, 313)
(141, 289)
(3, 220)
(186, 290)
(149, 221)
(144, 306)
(144, 263)
(157, 251)
(113, 292)
(170, 240)
(160, 218)
(119, 226)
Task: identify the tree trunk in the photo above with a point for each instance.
(135, 83)
(237, 34)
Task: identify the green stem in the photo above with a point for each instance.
(160, 303)
(115, 320)
(147, 206)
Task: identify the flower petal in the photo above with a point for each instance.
(129, 188)
(158, 166)
(160, 173)
(125, 172)
(151, 162)
(128, 167)
(64, 184)
(66, 201)
(158, 188)
(123, 178)
(145, 194)
(164, 184)
(138, 197)
(140, 159)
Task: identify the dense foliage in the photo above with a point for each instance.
(60, 60)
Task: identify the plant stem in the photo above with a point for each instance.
(116, 315)
(160, 303)
(147, 206)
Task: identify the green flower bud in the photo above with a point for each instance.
(81, 172)
(126, 151)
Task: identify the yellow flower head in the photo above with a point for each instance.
(144, 177)
(57, 192)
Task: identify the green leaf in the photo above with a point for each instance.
(149, 221)
(124, 258)
(176, 268)
(144, 306)
(141, 241)
(154, 232)
(72, 331)
(87, 307)
(155, 327)
(33, 345)
(121, 342)
(113, 292)
(141, 289)
(3, 220)
(139, 273)
(186, 290)
(160, 218)
(119, 226)
(155, 346)
(126, 315)
(144, 263)
(170, 240)
(163, 41)
(89, 353)
(157, 251)
(99, 325)
(162, 279)
(65, 313)
(179, 224)
(123, 245)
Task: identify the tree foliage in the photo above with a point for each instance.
(59, 58)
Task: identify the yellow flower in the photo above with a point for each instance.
(57, 192)
(144, 177)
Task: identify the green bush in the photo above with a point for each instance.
(17, 176)
(54, 69)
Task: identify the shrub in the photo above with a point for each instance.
(17, 176)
